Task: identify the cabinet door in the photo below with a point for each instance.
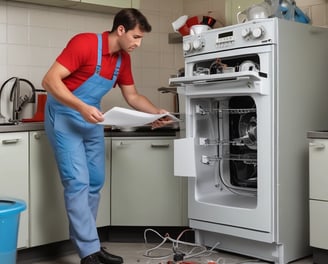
(144, 190)
(318, 224)
(111, 3)
(318, 156)
(103, 217)
(48, 220)
(14, 176)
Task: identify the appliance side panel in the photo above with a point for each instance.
(301, 101)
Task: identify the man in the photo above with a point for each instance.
(88, 67)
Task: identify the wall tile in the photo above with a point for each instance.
(3, 33)
(17, 34)
(3, 55)
(150, 5)
(151, 42)
(17, 16)
(3, 12)
(18, 55)
(318, 15)
(54, 18)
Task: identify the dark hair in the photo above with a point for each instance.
(130, 18)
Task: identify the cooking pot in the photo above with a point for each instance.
(256, 11)
(197, 29)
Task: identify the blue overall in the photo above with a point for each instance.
(80, 154)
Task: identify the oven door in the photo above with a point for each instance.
(228, 149)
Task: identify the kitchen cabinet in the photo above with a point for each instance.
(318, 156)
(144, 190)
(103, 218)
(103, 6)
(48, 220)
(111, 3)
(14, 176)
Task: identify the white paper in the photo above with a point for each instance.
(123, 117)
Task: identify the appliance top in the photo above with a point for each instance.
(253, 33)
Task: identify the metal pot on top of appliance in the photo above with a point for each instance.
(193, 25)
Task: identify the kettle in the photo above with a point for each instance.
(256, 11)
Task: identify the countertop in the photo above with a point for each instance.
(144, 131)
(21, 127)
(318, 134)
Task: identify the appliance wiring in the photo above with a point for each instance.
(177, 249)
(179, 254)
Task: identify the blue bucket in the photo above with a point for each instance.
(9, 224)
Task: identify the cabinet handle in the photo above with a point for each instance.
(10, 141)
(37, 136)
(317, 145)
(159, 145)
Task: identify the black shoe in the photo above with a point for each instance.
(91, 259)
(107, 258)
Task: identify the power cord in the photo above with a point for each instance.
(177, 252)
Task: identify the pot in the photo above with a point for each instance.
(197, 29)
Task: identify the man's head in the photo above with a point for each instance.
(129, 18)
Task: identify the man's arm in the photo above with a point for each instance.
(52, 83)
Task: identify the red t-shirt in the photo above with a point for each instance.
(80, 58)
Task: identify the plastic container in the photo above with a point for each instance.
(9, 223)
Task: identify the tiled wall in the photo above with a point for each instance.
(317, 10)
(31, 36)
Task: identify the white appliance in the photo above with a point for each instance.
(252, 91)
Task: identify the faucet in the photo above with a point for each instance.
(18, 100)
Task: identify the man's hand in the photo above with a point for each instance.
(91, 114)
(162, 121)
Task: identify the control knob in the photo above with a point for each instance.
(257, 32)
(198, 44)
(186, 46)
(245, 32)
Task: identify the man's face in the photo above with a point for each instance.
(131, 39)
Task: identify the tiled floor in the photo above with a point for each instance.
(133, 253)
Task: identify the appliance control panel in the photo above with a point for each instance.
(253, 33)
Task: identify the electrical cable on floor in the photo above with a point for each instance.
(178, 254)
(176, 251)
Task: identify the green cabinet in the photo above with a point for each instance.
(144, 189)
(103, 217)
(48, 220)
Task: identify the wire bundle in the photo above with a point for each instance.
(179, 250)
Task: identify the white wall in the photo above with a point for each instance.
(31, 37)
(317, 10)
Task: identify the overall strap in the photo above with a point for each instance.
(117, 67)
(99, 55)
